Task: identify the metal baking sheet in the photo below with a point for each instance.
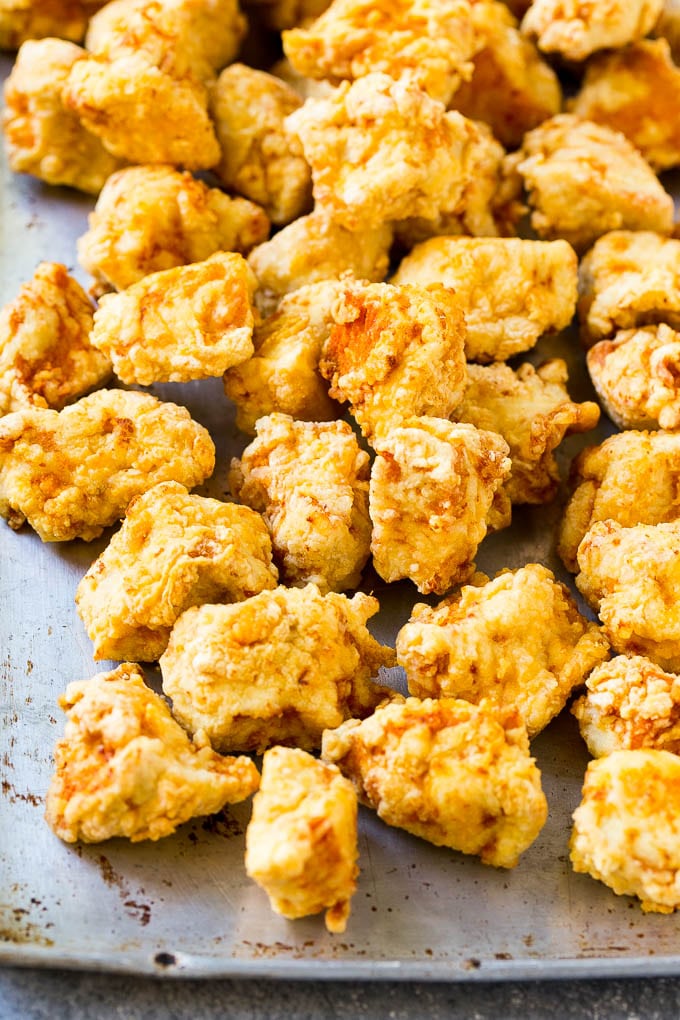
(184, 905)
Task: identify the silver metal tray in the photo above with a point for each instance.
(184, 905)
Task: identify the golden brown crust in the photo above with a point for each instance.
(577, 28)
(22, 20)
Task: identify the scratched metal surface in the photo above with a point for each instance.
(184, 906)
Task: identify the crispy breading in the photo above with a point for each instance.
(434, 491)
(518, 641)
(46, 358)
(72, 473)
(124, 767)
(281, 14)
(455, 774)
(21, 20)
(668, 26)
(631, 478)
(577, 28)
(306, 88)
(584, 179)
(150, 218)
(394, 352)
(191, 322)
(173, 551)
(259, 159)
(276, 669)
(532, 411)
(512, 291)
(301, 841)
(42, 137)
(627, 830)
(310, 482)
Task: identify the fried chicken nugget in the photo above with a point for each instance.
(434, 492)
(301, 841)
(172, 551)
(532, 411)
(577, 28)
(278, 668)
(310, 483)
(518, 641)
(512, 291)
(72, 473)
(125, 768)
(150, 218)
(627, 830)
(21, 20)
(46, 358)
(455, 774)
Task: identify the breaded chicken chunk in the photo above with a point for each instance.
(577, 28)
(627, 827)
(629, 703)
(532, 411)
(124, 767)
(46, 358)
(279, 667)
(36, 19)
(72, 473)
(512, 291)
(172, 552)
(301, 841)
(281, 14)
(631, 478)
(668, 26)
(191, 322)
(518, 641)
(394, 352)
(42, 137)
(310, 482)
(455, 774)
(584, 179)
(150, 218)
(434, 493)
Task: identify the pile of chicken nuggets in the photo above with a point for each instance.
(353, 262)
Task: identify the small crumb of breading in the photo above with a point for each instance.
(584, 179)
(394, 352)
(124, 767)
(519, 641)
(150, 218)
(455, 774)
(278, 668)
(42, 137)
(627, 827)
(512, 291)
(631, 478)
(191, 322)
(173, 551)
(434, 491)
(281, 14)
(21, 20)
(577, 28)
(310, 482)
(668, 26)
(531, 409)
(72, 473)
(46, 358)
(301, 841)
(259, 159)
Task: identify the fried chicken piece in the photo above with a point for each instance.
(259, 159)
(282, 14)
(631, 478)
(455, 774)
(512, 291)
(278, 668)
(150, 218)
(518, 641)
(72, 473)
(532, 411)
(434, 491)
(627, 830)
(43, 138)
(668, 26)
(577, 28)
(125, 768)
(21, 20)
(584, 180)
(172, 551)
(394, 352)
(301, 841)
(310, 483)
(46, 358)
